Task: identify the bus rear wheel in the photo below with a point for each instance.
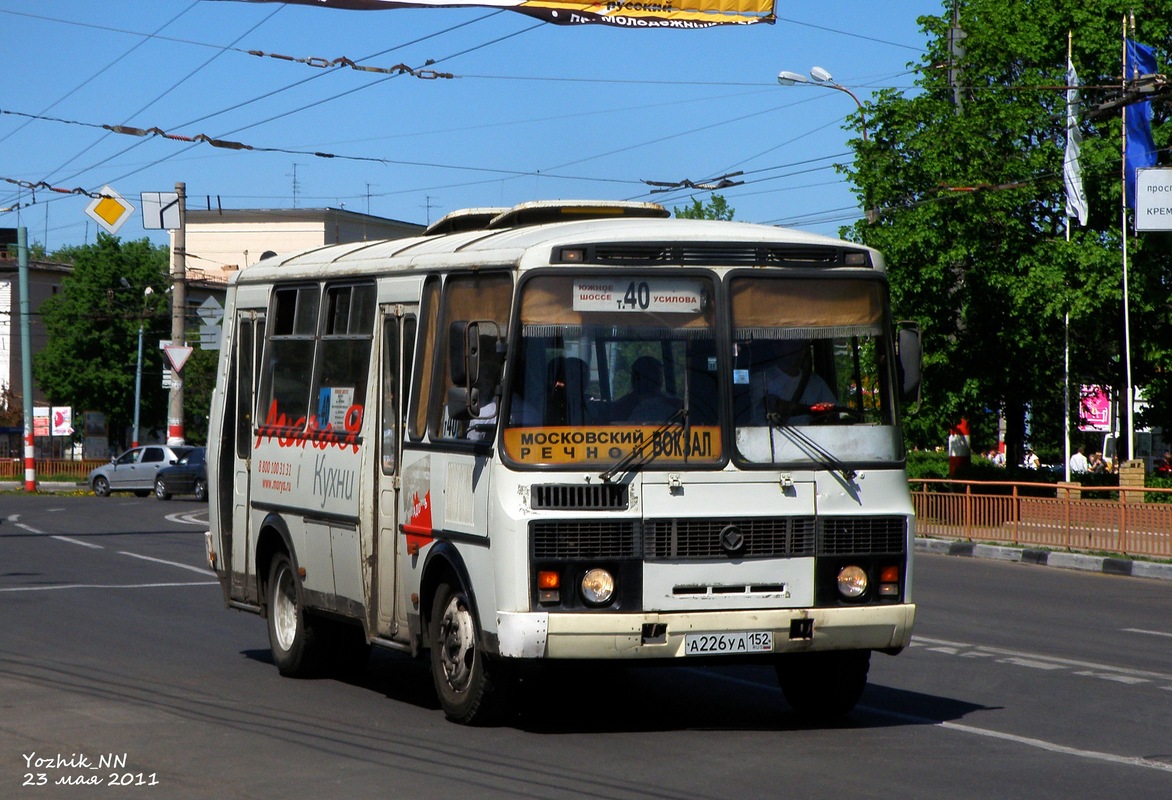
(292, 636)
(457, 663)
(824, 686)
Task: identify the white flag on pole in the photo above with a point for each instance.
(1076, 198)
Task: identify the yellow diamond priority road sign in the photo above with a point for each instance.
(109, 209)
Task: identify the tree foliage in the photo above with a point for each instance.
(90, 358)
(967, 177)
(716, 208)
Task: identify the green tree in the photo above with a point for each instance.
(90, 357)
(966, 174)
(11, 408)
(716, 208)
(199, 378)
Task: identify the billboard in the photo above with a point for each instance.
(616, 13)
(1094, 408)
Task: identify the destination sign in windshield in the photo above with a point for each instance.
(658, 295)
(573, 445)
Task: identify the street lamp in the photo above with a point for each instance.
(821, 78)
(138, 368)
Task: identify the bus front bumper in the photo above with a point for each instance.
(662, 636)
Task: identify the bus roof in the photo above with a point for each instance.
(602, 234)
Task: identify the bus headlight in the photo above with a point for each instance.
(597, 587)
(852, 582)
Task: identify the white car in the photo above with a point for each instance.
(134, 470)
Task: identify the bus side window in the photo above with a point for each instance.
(289, 355)
(422, 378)
(348, 330)
(466, 297)
(240, 384)
(390, 396)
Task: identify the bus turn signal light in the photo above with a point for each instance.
(548, 586)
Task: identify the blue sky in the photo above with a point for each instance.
(533, 110)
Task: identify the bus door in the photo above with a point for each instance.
(250, 329)
(397, 332)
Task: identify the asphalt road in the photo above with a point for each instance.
(119, 663)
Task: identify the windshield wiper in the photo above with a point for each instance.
(806, 444)
(639, 455)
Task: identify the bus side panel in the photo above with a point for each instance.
(314, 486)
(446, 498)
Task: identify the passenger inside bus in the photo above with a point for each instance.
(646, 401)
(784, 382)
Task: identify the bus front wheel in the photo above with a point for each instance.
(457, 663)
(824, 686)
(292, 637)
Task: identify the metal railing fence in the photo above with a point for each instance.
(12, 469)
(1111, 519)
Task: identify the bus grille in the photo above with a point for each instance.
(848, 536)
(700, 539)
(585, 538)
(764, 537)
(585, 497)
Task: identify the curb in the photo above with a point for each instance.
(44, 486)
(1108, 565)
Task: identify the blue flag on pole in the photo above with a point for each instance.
(1139, 59)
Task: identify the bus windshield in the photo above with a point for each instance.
(811, 371)
(605, 365)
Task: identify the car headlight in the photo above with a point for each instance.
(852, 582)
(597, 587)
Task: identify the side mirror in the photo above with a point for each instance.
(475, 356)
(910, 360)
(463, 352)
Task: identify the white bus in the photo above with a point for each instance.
(569, 431)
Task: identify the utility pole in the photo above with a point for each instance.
(26, 360)
(178, 316)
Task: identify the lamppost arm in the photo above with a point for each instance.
(822, 78)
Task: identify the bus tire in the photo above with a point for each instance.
(457, 663)
(824, 686)
(292, 635)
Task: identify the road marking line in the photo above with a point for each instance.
(1041, 744)
(1148, 633)
(72, 541)
(1130, 761)
(187, 518)
(200, 570)
(1042, 659)
(105, 586)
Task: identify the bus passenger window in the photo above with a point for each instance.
(289, 357)
(348, 329)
